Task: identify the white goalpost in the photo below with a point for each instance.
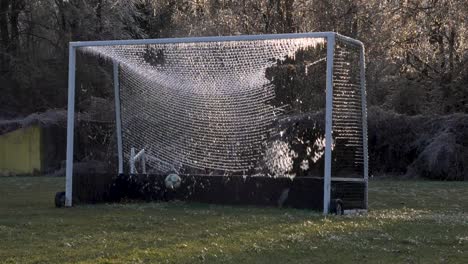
(214, 103)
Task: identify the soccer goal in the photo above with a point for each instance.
(270, 118)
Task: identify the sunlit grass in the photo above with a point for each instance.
(409, 222)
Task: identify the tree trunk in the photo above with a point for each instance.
(269, 17)
(61, 20)
(451, 47)
(289, 16)
(4, 35)
(16, 7)
(99, 18)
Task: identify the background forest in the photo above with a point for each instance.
(416, 50)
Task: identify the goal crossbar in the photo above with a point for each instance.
(327, 35)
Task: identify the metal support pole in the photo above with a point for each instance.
(132, 160)
(328, 125)
(118, 120)
(364, 122)
(143, 162)
(70, 125)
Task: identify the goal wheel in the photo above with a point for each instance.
(60, 199)
(336, 207)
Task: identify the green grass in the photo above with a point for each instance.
(409, 222)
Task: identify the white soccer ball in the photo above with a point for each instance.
(173, 181)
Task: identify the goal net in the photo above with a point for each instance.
(248, 105)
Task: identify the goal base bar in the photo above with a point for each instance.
(300, 192)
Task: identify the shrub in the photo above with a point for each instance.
(433, 147)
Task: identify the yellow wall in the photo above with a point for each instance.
(20, 151)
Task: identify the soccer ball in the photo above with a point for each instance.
(173, 181)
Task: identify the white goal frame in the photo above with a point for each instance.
(330, 38)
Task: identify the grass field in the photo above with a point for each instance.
(409, 222)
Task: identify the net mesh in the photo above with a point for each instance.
(348, 154)
(249, 107)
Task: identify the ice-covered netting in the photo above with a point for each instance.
(348, 154)
(202, 105)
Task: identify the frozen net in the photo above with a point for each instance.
(201, 105)
(349, 152)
